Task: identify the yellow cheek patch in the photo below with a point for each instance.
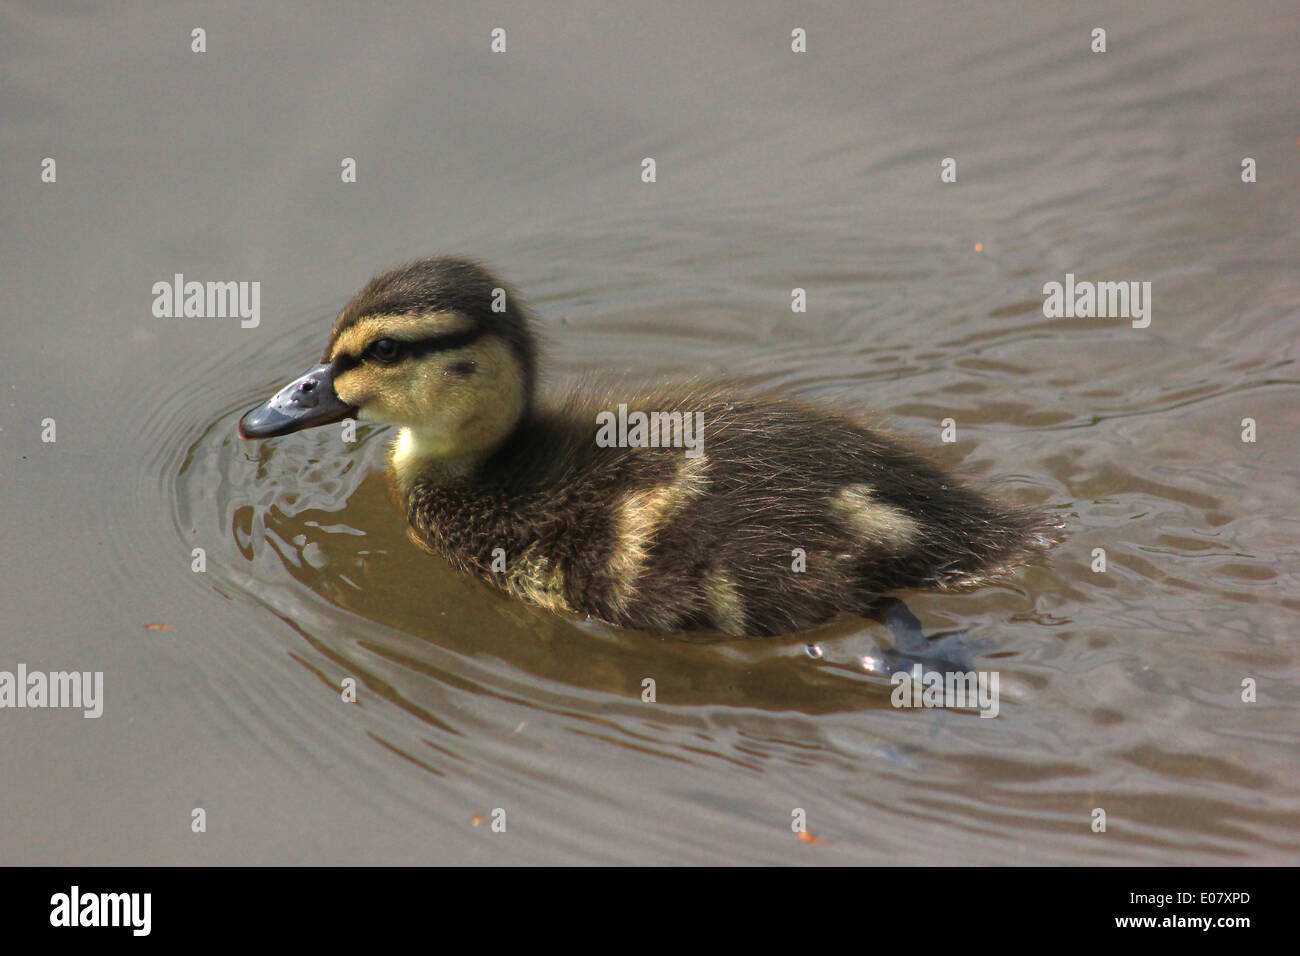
(351, 387)
(384, 394)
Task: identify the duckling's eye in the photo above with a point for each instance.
(385, 351)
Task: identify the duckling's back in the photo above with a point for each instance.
(778, 517)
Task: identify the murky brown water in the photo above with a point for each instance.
(1119, 690)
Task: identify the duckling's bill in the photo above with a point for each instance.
(305, 402)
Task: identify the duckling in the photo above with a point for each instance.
(778, 516)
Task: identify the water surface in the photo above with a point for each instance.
(1120, 690)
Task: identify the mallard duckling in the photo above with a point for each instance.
(783, 516)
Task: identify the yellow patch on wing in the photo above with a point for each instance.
(641, 516)
(536, 579)
(726, 603)
(858, 508)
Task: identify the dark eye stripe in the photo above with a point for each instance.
(418, 348)
(444, 343)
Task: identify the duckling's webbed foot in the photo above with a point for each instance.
(949, 651)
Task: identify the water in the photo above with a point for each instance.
(1119, 691)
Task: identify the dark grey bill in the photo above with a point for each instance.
(303, 403)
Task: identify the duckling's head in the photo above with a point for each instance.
(439, 347)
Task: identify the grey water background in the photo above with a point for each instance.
(1120, 691)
